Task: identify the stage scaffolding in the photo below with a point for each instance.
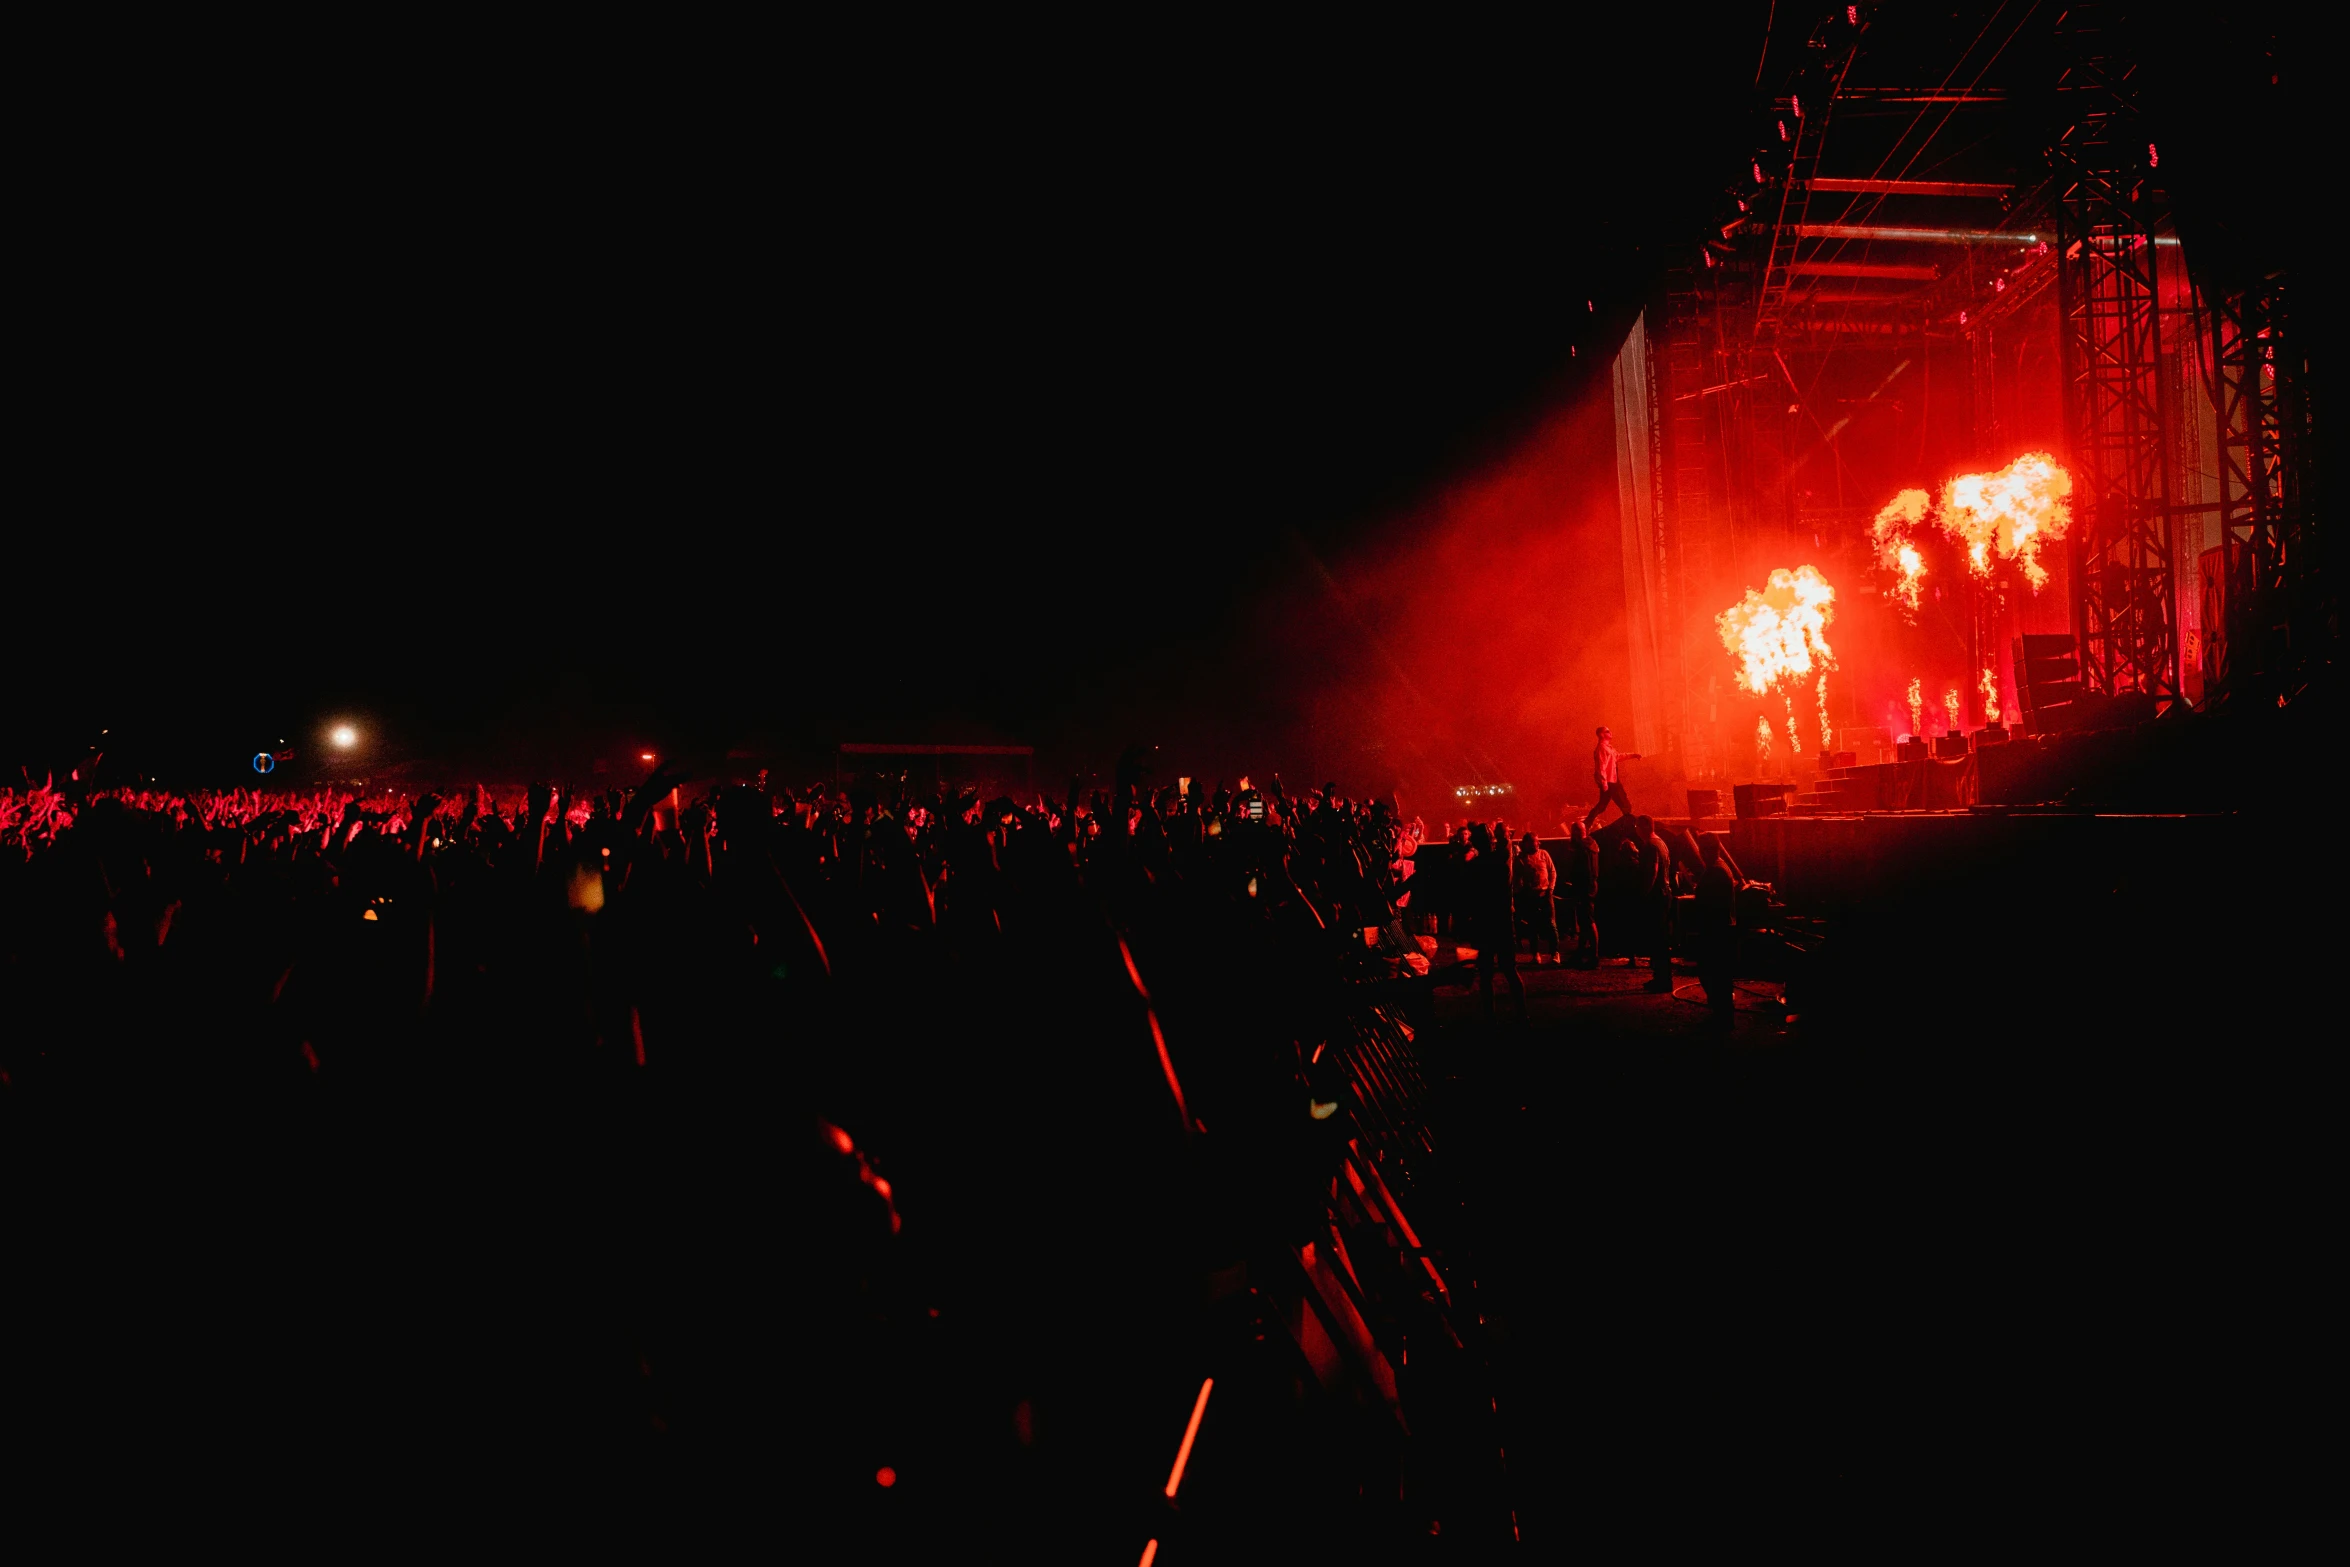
(2107, 221)
(2060, 311)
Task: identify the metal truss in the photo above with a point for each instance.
(2274, 595)
(1811, 135)
(2123, 604)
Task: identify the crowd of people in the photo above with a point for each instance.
(521, 1097)
(1656, 889)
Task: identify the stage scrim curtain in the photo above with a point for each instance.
(1636, 504)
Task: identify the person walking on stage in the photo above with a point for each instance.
(1604, 773)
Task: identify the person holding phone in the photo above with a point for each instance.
(1605, 760)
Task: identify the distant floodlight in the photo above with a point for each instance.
(644, 756)
(345, 736)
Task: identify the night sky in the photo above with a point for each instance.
(888, 398)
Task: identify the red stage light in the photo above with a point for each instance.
(1190, 1434)
(885, 1477)
(2153, 158)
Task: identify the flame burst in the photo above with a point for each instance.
(2009, 513)
(1780, 634)
(1794, 737)
(1990, 689)
(1895, 552)
(1917, 707)
(1827, 735)
(1950, 706)
(1762, 740)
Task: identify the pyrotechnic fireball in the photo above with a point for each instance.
(1990, 689)
(1762, 740)
(2009, 513)
(1895, 552)
(1827, 735)
(1950, 706)
(1780, 634)
(1917, 707)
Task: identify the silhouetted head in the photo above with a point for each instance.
(1480, 837)
(1603, 731)
(1578, 832)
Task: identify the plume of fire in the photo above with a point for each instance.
(1827, 736)
(2009, 513)
(1990, 688)
(2004, 515)
(1780, 634)
(1762, 740)
(1895, 550)
(1794, 739)
(1950, 706)
(1917, 707)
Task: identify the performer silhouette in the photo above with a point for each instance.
(1604, 760)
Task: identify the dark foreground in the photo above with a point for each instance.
(1892, 1284)
(2021, 1214)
